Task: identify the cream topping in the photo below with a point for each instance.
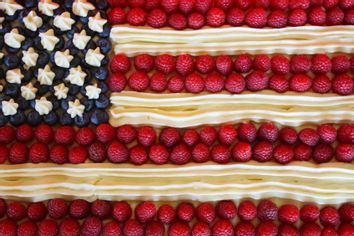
(61, 91)
(82, 7)
(76, 76)
(96, 23)
(63, 59)
(14, 76)
(28, 92)
(14, 38)
(30, 58)
(9, 108)
(43, 106)
(10, 7)
(63, 21)
(94, 57)
(81, 39)
(75, 108)
(92, 91)
(48, 39)
(47, 7)
(32, 21)
(45, 75)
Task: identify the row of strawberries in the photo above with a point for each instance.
(141, 145)
(116, 218)
(184, 73)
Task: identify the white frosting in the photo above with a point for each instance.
(28, 92)
(63, 59)
(32, 21)
(45, 75)
(96, 23)
(75, 108)
(48, 39)
(14, 76)
(61, 91)
(81, 39)
(10, 6)
(14, 38)
(1, 21)
(9, 108)
(43, 106)
(82, 7)
(76, 76)
(30, 58)
(94, 57)
(92, 91)
(63, 21)
(47, 7)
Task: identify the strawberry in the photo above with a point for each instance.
(346, 212)
(317, 16)
(235, 17)
(256, 81)
(309, 137)
(300, 83)
(132, 228)
(288, 214)
(121, 211)
(116, 16)
(36, 211)
(243, 63)
(186, 6)
(169, 6)
(136, 16)
(194, 83)
(27, 228)
(226, 209)
(69, 227)
(343, 84)
(244, 228)
(321, 84)
(261, 62)
(267, 210)
(126, 134)
(7, 134)
(235, 83)
(57, 208)
(267, 228)
(335, 16)
(242, 152)
(277, 19)
(203, 6)
(166, 214)
(59, 154)
(309, 213)
(185, 211)
(247, 210)
(24, 133)
(44, 133)
(340, 64)
(117, 153)
(247, 132)
(145, 211)
(200, 153)
(179, 229)
(184, 64)
(101, 209)
(180, 154)
(4, 153)
(214, 83)
(222, 227)
(205, 212)
(138, 81)
(288, 135)
(120, 63)
(300, 64)
(48, 228)
(64, 135)
(223, 64)
(280, 64)
(175, 84)
(158, 154)
(8, 227)
(177, 21)
(215, 17)
(196, 20)
(79, 208)
(302, 152)
(18, 153)
(169, 137)
(165, 63)
(302, 4)
(190, 137)
(256, 18)
(92, 226)
(78, 155)
(297, 17)
(117, 82)
(146, 136)
(201, 229)
(283, 153)
(111, 228)
(329, 216)
(154, 228)
(268, 132)
(144, 62)
(321, 64)
(345, 133)
(138, 155)
(344, 152)
(16, 211)
(279, 83)
(85, 136)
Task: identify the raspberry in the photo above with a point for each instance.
(69, 227)
(194, 83)
(65, 135)
(242, 152)
(157, 18)
(166, 214)
(24, 133)
(136, 17)
(179, 229)
(243, 63)
(105, 133)
(26, 228)
(214, 83)
(343, 84)
(279, 4)
(288, 135)
(190, 137)
(227, 134)
(101, 209)
(36, 211)
(177, 21)
(345, 229)
(329, 231)
(57, 208)
(136, 3)
(235, 17)
(345, 133)
(121, 211)
(215, 17)
(335, 16)
(261, 62)
(208, 135)
(158, 82)
(256, 81)
(144, 62)
(300, 83)
(59, 154)
(267, 210)
(323, 153)
(4, 153)
(158, 154)
(226, 209)
(7, 134)
(138, 81)
(340, 64)
(145, 212)
(279, 83)
(247, 210)
(44, 133)
(146, 136)
(263, 151)
(268, 132)
(224, 4)
(47, 228)
(116, 16)
(321, 84)
(223, 64)
(317, 16)
(117, 153)
(283, 153)
(247, 132)
(302, 152)
(180, 154)
(117, 82)
(346, 4)
(309, 137)
(346, 212)
(344, 152)
(329, 216)
(175, 84)
(309, 213)
(184, 64)
(92, 226)
(327, 133)
(18, 153)
(126, 134)
(8, 228)
(222, 227)
(169, 137)
(205, 212)
(300, 64)
(138, 155)
(196, 20)
(120, 64)
(186, 6)
(85, 136)
(235, 83)
(79, 208)
(38, 153)
(261, 3)
(297, 17)
(302, 4)
(220, 154)
(277, 19)
(165, 63)
(280, 64)
(200, 153)
(78, 155)
(185, 211)
(203, 6)
(201, 229)
(330, 3)
(244, 228)
(288, 230)
(244, 4)
(267, 228)
(321, 64)
(117, 3)
(288, 214)
(154, 228)
(169, 6)
(97, 152)
(349, 17)
(205, 64)
(256, 18)
(16, 211)
(132, 227)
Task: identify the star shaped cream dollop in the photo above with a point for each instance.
(28, 92)
(45, 75)
(92, 91)
(61, 91)
(96, 22)
(75, 108)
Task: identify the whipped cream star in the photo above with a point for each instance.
(94, 57)
(32, 21)
(61, 91)
(63, 59)
(96, 23)
(47, 7)
(82, 7)
(48, 39)
(28, 92)
(81, 39)
(30, 58)
(43, 106)
(10, 7)
(76, 76)
(45, 75)
(63, 21)
(14, 38)
(75, 108)
(14, 76)
(9, 108)
(92, 91)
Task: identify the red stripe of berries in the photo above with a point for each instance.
(318, 73)
(139, 145)
(79, 217)
(183, 14)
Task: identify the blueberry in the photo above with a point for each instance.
(82, 121)
(32, 104)
(60, 44)
(9, 18)
(11, 61)
(65, 119)
(22, 14)
(2, 74)
(102, 102)
(90, 45)
(65, 102)
(23, 104)
(59, 72)
(27, 43)
(33, 118)
(29, 34)
(70, 33)
(102, 4)
(44, 28)
(27, 75)
(73, 89)
(105, 45)
(75, 62)
(38, 44)
(11, 89)
(6, 27)
(30, 3)
(51, 118)
(106, 31)
(99, 117)
(88, 103)
(54, 101)
(103, 87)
(1, 42)
(12, 50)
(42, 89)
(68, 4)
(43, 59)
(101, 73)
(3, 119)
(105, 60)
(18, 119)
(84, 20)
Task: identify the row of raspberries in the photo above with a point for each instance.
(127, 144)
(79, 217)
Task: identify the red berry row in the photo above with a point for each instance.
(60, 217)
(174, 145)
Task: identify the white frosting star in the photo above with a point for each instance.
(48, 39)
(14, 76)
(9, 108)
(81, 39)
(96, 23)
(45, 75)
(30, 58)
(32, 21)
(43, 106)
(10, 7)
(47, 7)
(28, 92)
(92, 91)
(75, 108)
(60, 91)
(63, 21)
(82, 7)
(94, 57)
(63, 59)
(76, 76)
(14, 38)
